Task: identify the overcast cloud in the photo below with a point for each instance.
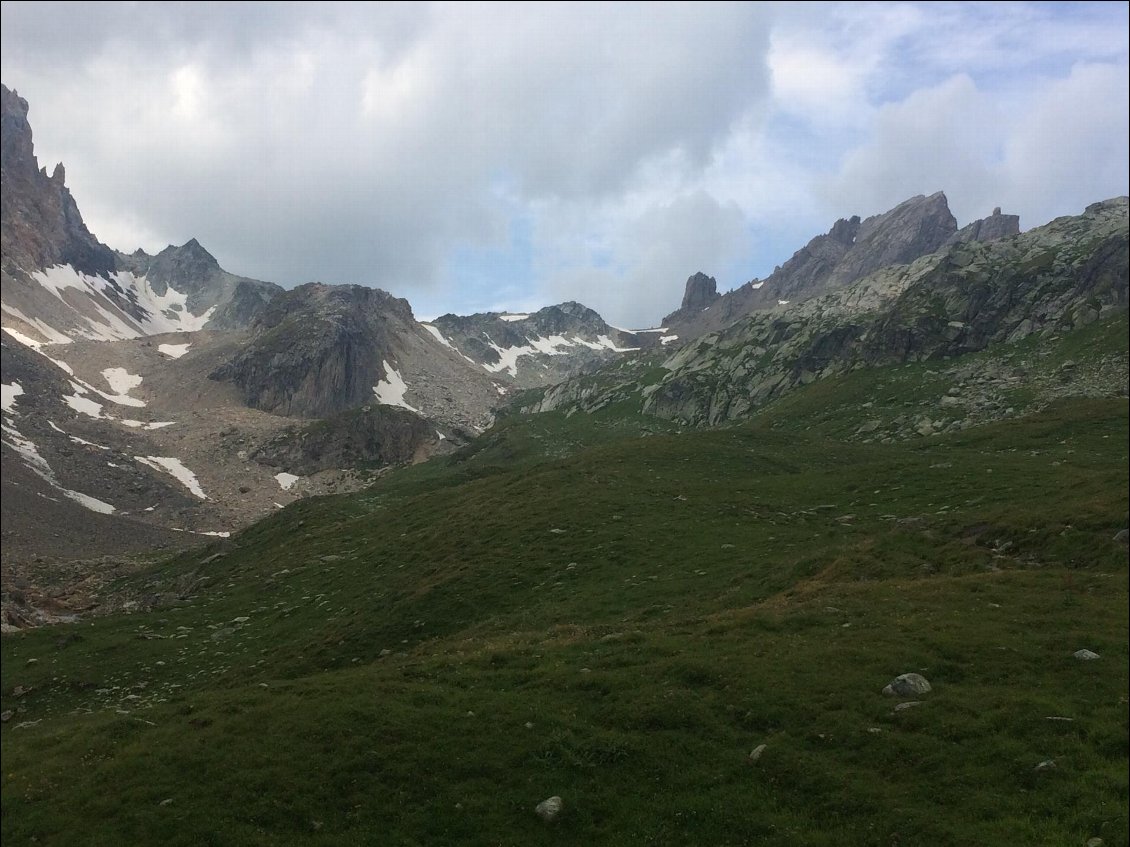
(481, 156)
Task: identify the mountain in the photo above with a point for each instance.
(547, 346)
(959, 300)
(152, 399)
(60, 282)
(319, 350)
(849, 251)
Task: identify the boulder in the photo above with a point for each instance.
(907, 685)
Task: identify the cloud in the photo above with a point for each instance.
(1060, 147)
(471, 154)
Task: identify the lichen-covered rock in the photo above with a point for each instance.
(907, 685)
(550, 808)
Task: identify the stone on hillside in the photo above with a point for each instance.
(7, 715)
(909, 704)
(907, 684)
(1085, 655)
(1045, 765)
(1122, 536)
(756, 753)
(550, 808)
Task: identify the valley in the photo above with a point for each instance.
(294, 566)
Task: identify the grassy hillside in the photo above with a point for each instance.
(606, 609)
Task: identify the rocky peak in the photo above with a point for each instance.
(913, 228)
(845, 231)
(41, 222)
(701, 290)
(992, 228)
(700, 293)
(17, 152)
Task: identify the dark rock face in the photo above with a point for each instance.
(318, 349)
(992, 228)
(700, 293)
(40, 221)
(849, 251)
(369, 436)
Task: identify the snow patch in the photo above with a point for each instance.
(177, 469)
(512, 318)
(122, 382)
(441, 436)
(611, 345)
(173, 351)
(82, 405)
(437, 335)
(667, 339)
(8, 395)
(132, 424)
(782, 302)
(390, 390)
(286, 480)
(757, 285)
(160, 313)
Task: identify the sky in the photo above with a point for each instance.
(487, 157)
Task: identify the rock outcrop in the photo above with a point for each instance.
(992, 228)
(41, 224)
(368, 437)
(700, 294)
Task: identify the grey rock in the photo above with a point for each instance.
(992, 228)
(1085, 655)
(1045, 765)
(907, 684)
(550, 808)
(756, 752)
(910, 704)
(700, 293)
(1122, 536)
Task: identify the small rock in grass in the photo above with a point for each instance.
(168, 801)
(1045, 765)
(7, 715)
(1094, 842)
(757, 751)
(908, 705)
(1085, 655)
(1122, 537)
(907, 684)
(550, 808)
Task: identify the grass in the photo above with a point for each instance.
(609, 610)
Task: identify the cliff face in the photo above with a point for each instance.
(317, 350)
(41, 224)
